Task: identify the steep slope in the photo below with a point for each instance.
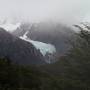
(18, 50)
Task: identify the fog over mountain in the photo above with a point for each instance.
(46, 21)
(69, 12)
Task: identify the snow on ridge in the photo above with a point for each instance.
(43, 47)
(9, 26)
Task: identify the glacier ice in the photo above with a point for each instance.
(43, 47)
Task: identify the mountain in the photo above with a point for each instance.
(52, 33)
(18, 50)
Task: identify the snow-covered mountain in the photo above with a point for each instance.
(46, 49)
(49, 38)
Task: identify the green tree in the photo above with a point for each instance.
(79, 55)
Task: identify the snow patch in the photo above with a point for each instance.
(10, 27)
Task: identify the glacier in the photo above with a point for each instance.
(43, 47)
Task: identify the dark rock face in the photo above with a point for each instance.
(19, 50)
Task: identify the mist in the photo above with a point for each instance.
(69, 12)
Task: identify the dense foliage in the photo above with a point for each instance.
(16, 77)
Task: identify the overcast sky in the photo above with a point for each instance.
(68, 11)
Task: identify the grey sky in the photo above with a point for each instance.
(68, 11)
